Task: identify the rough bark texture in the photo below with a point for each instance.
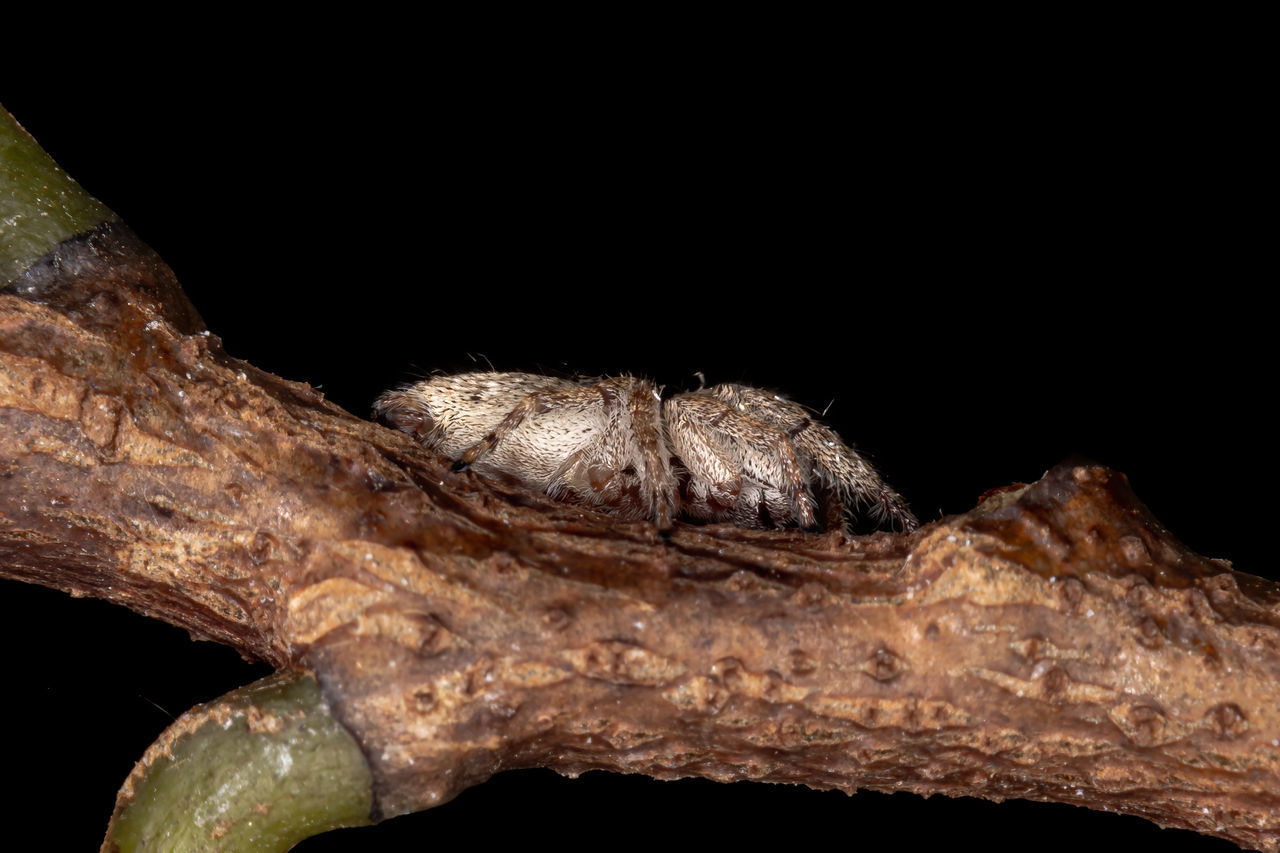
(1055, 643)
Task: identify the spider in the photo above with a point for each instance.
(727, 453)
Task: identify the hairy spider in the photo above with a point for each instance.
(725, 453)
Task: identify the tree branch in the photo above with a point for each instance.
(1055, 643)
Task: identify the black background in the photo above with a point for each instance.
(981, 263)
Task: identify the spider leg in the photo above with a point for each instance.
(629, 467)
(852, 477)
(715, 481)
(643, 417)
(836, 465)
(726, 451)
(530, 405)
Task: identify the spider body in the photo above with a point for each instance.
(729, 453)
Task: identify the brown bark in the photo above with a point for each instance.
(1055, 643)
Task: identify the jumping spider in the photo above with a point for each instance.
(725, 453)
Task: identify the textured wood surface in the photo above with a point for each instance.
(1054, 643)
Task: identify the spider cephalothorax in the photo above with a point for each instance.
(727, 453)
